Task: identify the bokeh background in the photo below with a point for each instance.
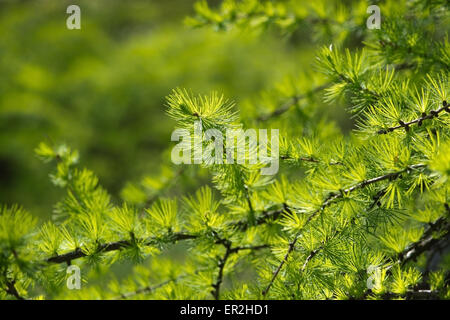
(101, 89)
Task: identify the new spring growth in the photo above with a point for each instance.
(243, 146)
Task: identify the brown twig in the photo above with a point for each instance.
(418, 121)
(228, 252)
(12, 290)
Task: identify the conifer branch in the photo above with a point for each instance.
(427, 241)
(321, 218)
(216, 285)
(229, 250)
(415, 249)
(310, 159)
(221, 266)
(311, 255)
(263, 218)
(173, 238)
(12, 290)
(280, 266)
(328, 201)
(418, 121)
(117, 245)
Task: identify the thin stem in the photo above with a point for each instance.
(280, 266)
(426, 242)
(12, 290)
(221, 265)
(291, 102)
(117, 245)
(228, 252)
(418, 121)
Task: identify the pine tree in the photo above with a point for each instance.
(356, 215)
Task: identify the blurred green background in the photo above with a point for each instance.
(101, 89)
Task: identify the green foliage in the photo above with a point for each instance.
(101, 90)
(213, 110)
(344, 204)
